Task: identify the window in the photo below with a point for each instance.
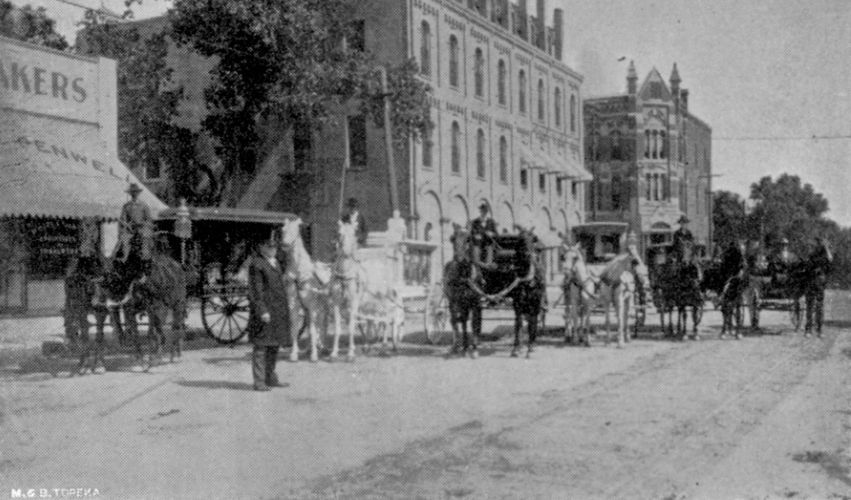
(456, 148)
(541, 109)
(356, 39)
(616, 151)
(357, 141)
(573, 113)
(524, 178)
(153, 171)
(521, 91)
(479, 73)
(654, 153)
(500, 82)
(663, 145)
(666, 192)
(480, 154)
(427, 232)
(425, 49)
(574, 190)
(557, 113)
(542, 182)
(647, 144)
(428, 147)
(454, 57)
(617, 189)
(649, 182)
(503, 159)
(559, 188)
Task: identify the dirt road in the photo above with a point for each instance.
(765, 417)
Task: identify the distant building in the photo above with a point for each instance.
(507, 133)
(650, 159)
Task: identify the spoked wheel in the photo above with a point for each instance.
(436, 315)
(225, 317)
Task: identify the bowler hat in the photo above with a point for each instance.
(683, 220)
(134, 188)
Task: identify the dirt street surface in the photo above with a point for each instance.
(765, 417)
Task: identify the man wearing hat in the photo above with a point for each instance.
(268, 320)
(135, 233)
(781, 263)
(681, 236)
(483, 231)
(353, 216)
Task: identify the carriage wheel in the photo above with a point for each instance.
(436, 315)
(225, 317)
(795, 314)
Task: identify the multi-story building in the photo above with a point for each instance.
(650, 159)
(507, 128)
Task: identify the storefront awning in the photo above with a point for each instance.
(534, 158)
(55, 168)
(575, 171)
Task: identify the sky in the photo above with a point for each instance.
(766, 75)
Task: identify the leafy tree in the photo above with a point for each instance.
(284, 62)
(147, 103)
(30, 25)
(729, 221)
(786, 208)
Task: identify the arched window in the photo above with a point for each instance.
(500, 82)
(573, 113)
(663, 180)
(479, 73)
(425, 49)
(541, 109)
(456, 148)
(428, 147)
(647, 144)
(454, 58)
(503, 159)
(427, 232)
(649, 181)
(655, 139)
(557, 107)
(521, 91)
(663, 145)
(480, 154)
(617, 188)
(617, 151)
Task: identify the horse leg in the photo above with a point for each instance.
(532, 326)
(353, 320)
(809, 298)
(518, 324)
(738, 312)
(177, 331)
(312, 317)
(819, 309)
(155, 334)
(694, 321)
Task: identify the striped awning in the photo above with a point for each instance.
(56, 168)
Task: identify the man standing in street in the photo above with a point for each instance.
(355, 217)
(269, 321)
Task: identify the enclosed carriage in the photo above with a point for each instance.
(214, 244)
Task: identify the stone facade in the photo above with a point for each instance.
(651, 160)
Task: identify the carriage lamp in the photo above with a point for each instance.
(182, 223)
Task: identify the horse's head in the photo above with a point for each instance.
(347, 242)
(642, 274)
(291, 232)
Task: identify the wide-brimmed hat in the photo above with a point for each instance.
(134, 188)
(484, 206)
(683, 220)
(352, 203)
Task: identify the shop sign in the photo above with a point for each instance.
(52, 243)
(44, 81)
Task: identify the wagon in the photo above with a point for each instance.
(776, 293)
(657, 258)
(215, 253)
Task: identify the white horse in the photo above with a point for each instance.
(307, 287)
(366, 291)
(618, 287)
(579, 289)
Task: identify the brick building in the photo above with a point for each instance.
(507, 132)
(650, 159)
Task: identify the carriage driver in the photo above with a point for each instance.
(353, 216)
(135, 234)
(681, 237)
(781, 262)
(483, 232)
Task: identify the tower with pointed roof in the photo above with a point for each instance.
(650, 158)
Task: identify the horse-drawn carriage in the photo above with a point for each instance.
(512, 277)
(215, 253)
(676, 279)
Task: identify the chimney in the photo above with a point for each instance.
(541, 13)
(684, 100)
(522, 27)
(558, 25)
(631, 79)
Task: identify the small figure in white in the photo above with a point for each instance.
(395, 250)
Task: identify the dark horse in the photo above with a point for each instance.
(678, 287)
(808, 279)
(162, 292)
(518, 276)
(462, 280)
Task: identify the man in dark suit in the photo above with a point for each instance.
(353, 216)
(483, 231)
(269, 321)
(682, 237)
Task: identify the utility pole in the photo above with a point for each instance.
(388, 141)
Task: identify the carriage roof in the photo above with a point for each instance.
(227, 214)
